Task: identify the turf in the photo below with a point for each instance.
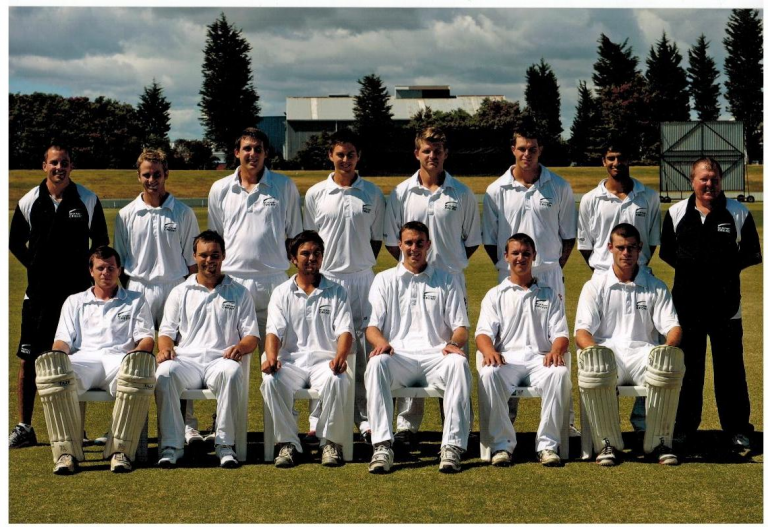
(708, 489)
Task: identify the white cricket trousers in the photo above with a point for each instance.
(96, 369)
(156, 295)
(496, 384)
(279, 388)
(224, 377)
(449, 373)
(261, 290)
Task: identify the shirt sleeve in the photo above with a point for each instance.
(588, 310)
(470, 230)
(585, 239)
(143, 326)
(489, 321)
(377, 227)
(309, 212)
(215, 216)
(490, 220)
(668, 250)
(19, 236)
(664, 314)
(377, 303)
(749, 246)
(393, 219)
(247, 323)
(567, 213)
(455, 307)
(122, 240)
(66, 331)
(654, 214)
(190, 229)
(98, 232)
(557, 324)
(277, 317)
(169, 327)
(293, 225)
(342, 323)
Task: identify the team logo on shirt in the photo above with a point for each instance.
(75, 214)
(170, 226)
(270, 202)
(642, 305)
(430, 296)
(367, 208)
(324, 310)
(229, 305)
(123, 316)
(724, 227)
(542, 304)
(451, 205)
(545, 202)
(641, 212)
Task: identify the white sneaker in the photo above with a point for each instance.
(192, 436)
(102, 440)
(227, 456)
(607, 456)
(169, 456)
(549, 458)
(120, 463)
(381, 462)
(331, 455)
(287, 456)
(450, 459)
(65, 465)
(501, 458)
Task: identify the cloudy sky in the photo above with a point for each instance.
(92, 51)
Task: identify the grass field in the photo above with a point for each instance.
(707, 489)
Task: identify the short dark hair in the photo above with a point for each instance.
(61, 147)
(625, 230)
(522, 239)
(528, 132)
(103, 252)
(413, 226)
(614, 145)
(710, 162)
(431, 134)
(292, 244)
(209, 236)
(345, 135)
(253, 133)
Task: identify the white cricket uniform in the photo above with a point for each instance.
(204, 324)
(348, 219)
(309, 327)
(523, 324)
(100, 332)
(255, 226)
(600, 211)
(545, 211)
(155, 247)
(417, 314)
(629, 318)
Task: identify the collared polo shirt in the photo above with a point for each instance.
(88, 324)
(545, 211)
(522, 320)
(639, 311)
(347, 219)
(450, 213)
(155, 243)
(600, 211)
(255, 224)
(205, 323)
(309, 326)
(417, 313)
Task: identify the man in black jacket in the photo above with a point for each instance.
(708, 239)
(50, 231)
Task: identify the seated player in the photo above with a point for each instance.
(621, 320)
(417, 328)
(523, 336)
(104, 340)
(211, 321)
(309, 335)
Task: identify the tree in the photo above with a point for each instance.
(667, 83)
(154, 118)
(702, 74)
(542, 100)
(373, 113)
(192, 154)
(582, 144)
(615, 65)
(228, 100)
(744, 69)
(314, 154)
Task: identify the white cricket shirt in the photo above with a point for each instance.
(347, 219)
(88, 324)
(155, 243)
(600, 211)
(522, 320)
(309, 326)
(255, 225)
(545, 211)
(417, 313)
(450, 213)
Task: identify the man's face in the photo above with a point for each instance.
(105, 273)
(616, 164)
(152, 177)
(308, 259)
(209, 257)
(520, 257)
(625, 251)
(57, 166)
(344, 158)
(527, 152)
(431, 156)
(414, 246)
(251, 154)
(706, 183)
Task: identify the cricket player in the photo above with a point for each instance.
(208, 326)
(309, 335)
(104, 340)
(628, 333)
(418, 329)
(449, 209)
(709, 239)
(50, 233)
(348, 213)
(523, 336)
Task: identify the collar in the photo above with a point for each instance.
(236, 186)
(642, 278)
(719, 203)
(507, 284)
(414, 183)
(192, 282)
(69, 191)
(335, 187)
(637, 188)
(167, 204)
(324, 284)
(402, 271)
(509, 178)
(91, 298)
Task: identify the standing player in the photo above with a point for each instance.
(449, 209)
(101, 335)
(208, 326)
(622, 319)
(709, 239)
(50, 231)
(418, 327)
(348, 213)
(523, 336)
(309, 335)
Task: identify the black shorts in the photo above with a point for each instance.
(39, 320)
